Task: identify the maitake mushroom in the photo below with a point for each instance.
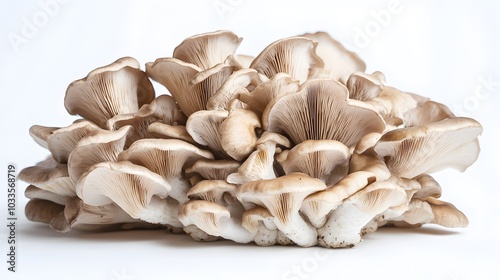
(297, 145)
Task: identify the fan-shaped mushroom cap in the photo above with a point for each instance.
(33, 192)
(239, 61)
(343, 228)
(49, 175)
(316, 158)
(207, 49)
(166, 157)
(99, 146)
(214, 169)
(363, 87)
(392, 103)
(280, 84)
(409, 152)
(137, 190)
(339, 63)
(213, 219)
(237, 82)
(321, 110)
(213, 191)
(41, 134)
(237, 133)
(118, 88)
(429, 187)
(62, 142)
(426, 112)
(295, 56)
(317, 206)
(40, 210)
(204, 127)
(162, 109)
(282, 197)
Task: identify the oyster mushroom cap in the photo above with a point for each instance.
(207, 49)
(339, 63)
(98, 146)
(429, 187)
(166, 131)
(137, 190)
(166, 157)
(213, 191)
(363, 86)
(321, 110)
(49, 175)
(316, 158)
(295, 56)
(237, 133)
(213, 219)
(259, 221)
(41, 134)
(33, 192)
(176, 76)
(426, 112)
(282, 197)
(40, 210)
(280, 84)
(258, 166)
(118, 88)
(214, 169)
(409, 152)
(204, 127)
(62, 142)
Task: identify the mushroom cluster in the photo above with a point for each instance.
(297, 145)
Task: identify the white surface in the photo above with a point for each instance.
(444, 50)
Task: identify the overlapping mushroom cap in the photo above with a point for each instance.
(297, 145)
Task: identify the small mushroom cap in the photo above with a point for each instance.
(204, 126)
(118, 88)
(41, 134)
(207, 49)
(99, 146)
(166, 131)
(427, 112)
(62, 142)
(363, 86)
(446, 214)
(409, 152)
(316, 158)
(429, 187)
(237, 132)
(33, 192)
(49, 175)
(339, 63)
(321, 110)
(251, 218)
(214, 169)
(205, 215)
(40, 210)
(258, 166)
(295, 56)
(212, 190)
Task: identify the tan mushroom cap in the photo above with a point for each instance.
(137, 190)
(214, 169)
(237, 82)
(40, 210)
(427, 112)
(167, 131)
(207, 49)
(392, 104)
(213, 191)
(176, 76)
(204, 127)
(49, 175)
(239, 61)
(118, 88)
(33, 192)
(295, 56)
(63, 141)
(363, 86)
(321, 110)
(41, 134)
(339, 63)
(280, 84)
(258, 166)
(99, 146)
(429, 187)
(409, 152)
(252, 217)
(205, 215)
(237, 133)
(316, 158)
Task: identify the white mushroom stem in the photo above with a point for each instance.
(300, 232)
(161, 211)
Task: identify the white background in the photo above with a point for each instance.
(445, 50)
